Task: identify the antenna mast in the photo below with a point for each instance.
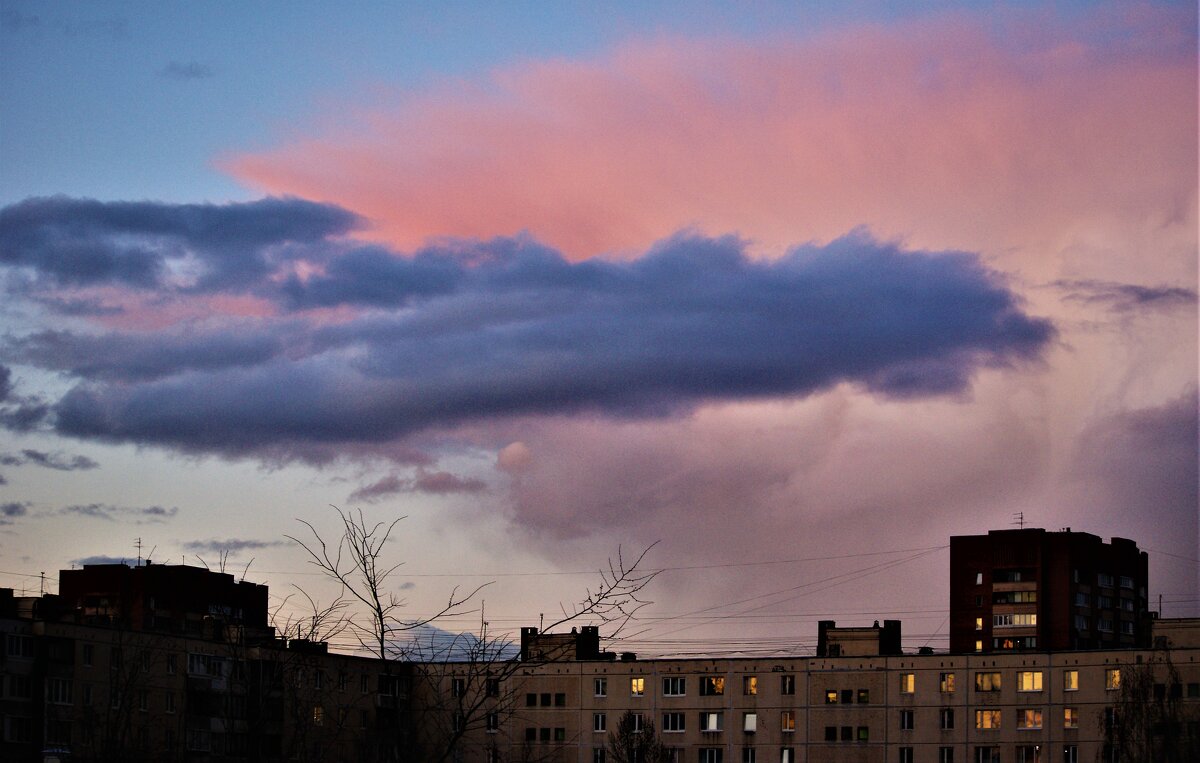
(1019, 519)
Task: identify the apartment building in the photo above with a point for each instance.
(1029, 707)
(1030, 589)
(81, 685)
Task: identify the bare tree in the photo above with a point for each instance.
(1148, 723)
(635, 740)
(467, 680)
(359, 564)
(474, 683)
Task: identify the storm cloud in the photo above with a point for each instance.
(429, 482)
(202, 247)
(464, 332)
(55, 460)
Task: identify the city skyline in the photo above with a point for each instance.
(792, 295)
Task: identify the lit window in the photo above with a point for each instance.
(318, 715)
(1070, 718)
(1029, 680)
(787, 721)
(1070, 680)
(978, 645)
(749, 722)
(1029, 718)
(711, 686)
(1112, 679)
(599, 722)
(864, 696)
(987, 719)
(601, 687)
(831, 696)
(675, 686)
(1014, 620)
(908, 683)
(750, 685)
(987, 682)
(946, 683)
(979, 623)
(637, 687)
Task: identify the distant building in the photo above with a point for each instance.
(162, 597)
(1029, 589)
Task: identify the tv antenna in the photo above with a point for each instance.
(1019, 519)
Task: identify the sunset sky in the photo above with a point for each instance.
(795, 291)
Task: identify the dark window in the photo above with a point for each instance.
(831, 733)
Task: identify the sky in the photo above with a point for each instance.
(789, 293)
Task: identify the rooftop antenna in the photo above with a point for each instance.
(1019, 519)
(138, 542)
(42, 587)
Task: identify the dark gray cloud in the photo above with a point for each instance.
(201, 247)
(79, 307)
(1146, 459)
(232, 545)
(1126, 297)
(181, 70)
(145, 356)
(428, 482)
(19, 413)
(101, 559)
(11, 510)
(469, 331)
(110, 513)
(49, 460)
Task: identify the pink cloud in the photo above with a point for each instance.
(938, 132)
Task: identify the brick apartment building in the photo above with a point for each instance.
(1030, 589)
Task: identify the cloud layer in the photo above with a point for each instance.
(467, 331)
